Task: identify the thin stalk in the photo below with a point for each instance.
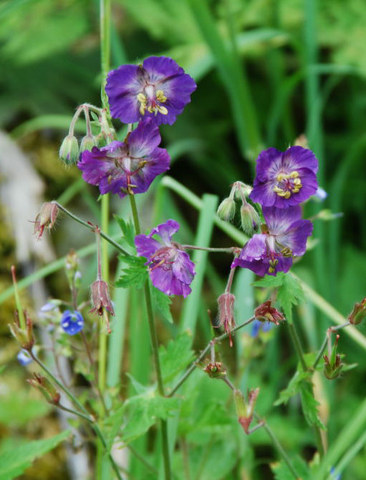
(142, 459)
(278, 446)
(209, 249)
(91, 227)
(155, 347)
(325, 341)
(83, 411)
(203, 354)
(17, 300)
(296, 342)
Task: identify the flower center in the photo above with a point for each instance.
(287, 184)
(164, 258)
(151, 100)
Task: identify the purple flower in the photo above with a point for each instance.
(170, 268)
(129, 165)
(72, 322)
(24, 357)
(157, 89)
(285, 179)
(283, 237)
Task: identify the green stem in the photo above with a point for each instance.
(325, 341)
(21, 316)
(83, 412)
(296, 341)
(203, 354)
(155, 348)
(209, 249)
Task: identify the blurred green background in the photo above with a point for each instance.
(267, 71)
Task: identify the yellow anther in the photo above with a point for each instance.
(297, 181)
(143, 100)
(286, 252)
(271, 270)
(162, 110)
(160, 96)
(277, 190)
(294, 174)
(281, 176)
(287, 194)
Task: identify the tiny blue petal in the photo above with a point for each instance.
(320, 194)
(334, 475)
(24, 358)
(48, 307)
(258, 325)
(72, 322)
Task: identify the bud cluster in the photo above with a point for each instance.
(333, 362)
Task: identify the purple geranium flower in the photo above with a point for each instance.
(72, 322)
(170, 268)
(285, 179)
(126, 166)
(284, 236)
(157, 89)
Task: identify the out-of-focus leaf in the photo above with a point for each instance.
(161, 303)
(135, 274)
(176, 356)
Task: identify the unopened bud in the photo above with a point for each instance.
(215, 370)
(72, 267)
(226, 210)
(23, 336)
(245, 410)
(226, 303)
(87, 143)
(302, 141)
(46, 388)
(333, 362)
(46, 218)
(69, 150)
(100, 298)
(358, 313)
(250, 219)
(265, 311)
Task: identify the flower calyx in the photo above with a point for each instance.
(245, 408)
(24, 336)
(358, 313)
(46, 218)
(215, 370)
(265, 312)
(333, 362)
(46, 388)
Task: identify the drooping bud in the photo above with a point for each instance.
(265, 311)
(69, 150)
(245, 410)
(46, 218)
(226, 210)
(24, 336)
(215, 370)
(358, 313)
(226, 303)
(250, 219)
(46, 388)
(100, 298)
(333, 362)
(87, 143)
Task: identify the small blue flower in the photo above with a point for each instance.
(334, 474)
(72, 322)
(24, 358)
(258, 325)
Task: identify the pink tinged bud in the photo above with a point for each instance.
(25, 336)
(100, 298)
(245, 410)
(333, 362)
(358, 313)
(226, 303)
(46, 218)
(46, 388)
(69, 150)
(265, 312)
(215, 370)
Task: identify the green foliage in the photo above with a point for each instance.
(282, 472)
(14, 403)
(176, 356)
(15, 461)
(289, 291)
(161, 303)
(135, 274)
(128, 234)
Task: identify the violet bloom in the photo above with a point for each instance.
(72, 322)
(129, 166)
(284, 236)
(284, 179)
(170, 268)
(157, 89)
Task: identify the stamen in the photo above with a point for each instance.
(291, 183)
(286, 252)
(143, 101)
(160, 96)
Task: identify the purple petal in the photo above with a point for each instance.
(260, 267)
(298, 157)
(146, 246)
(295, 238)
(269, 163)
(263, 193)
(166, 230)
(123, 86)
(183, 268)
(255, 248)
(161, 68)
(144, 139)
(279, 220)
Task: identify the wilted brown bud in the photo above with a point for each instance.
(46, 218)
(245, 410)
(46, 388)
(215, 370)
(358, 313)
(23, 336)
(100, 298)
(265, 311)
(226, 303)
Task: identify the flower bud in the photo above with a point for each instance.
(215, 370)
(72, 267)
(24, 358)
(23, 336)
(87, 143)
(245, 410)
(46, 218)
(100, 298)
(250, 219)
(226, 303)
(358, 313)
(226, 210)
(266, 312)
(333, 362)
(46, 388)
(69, 150)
